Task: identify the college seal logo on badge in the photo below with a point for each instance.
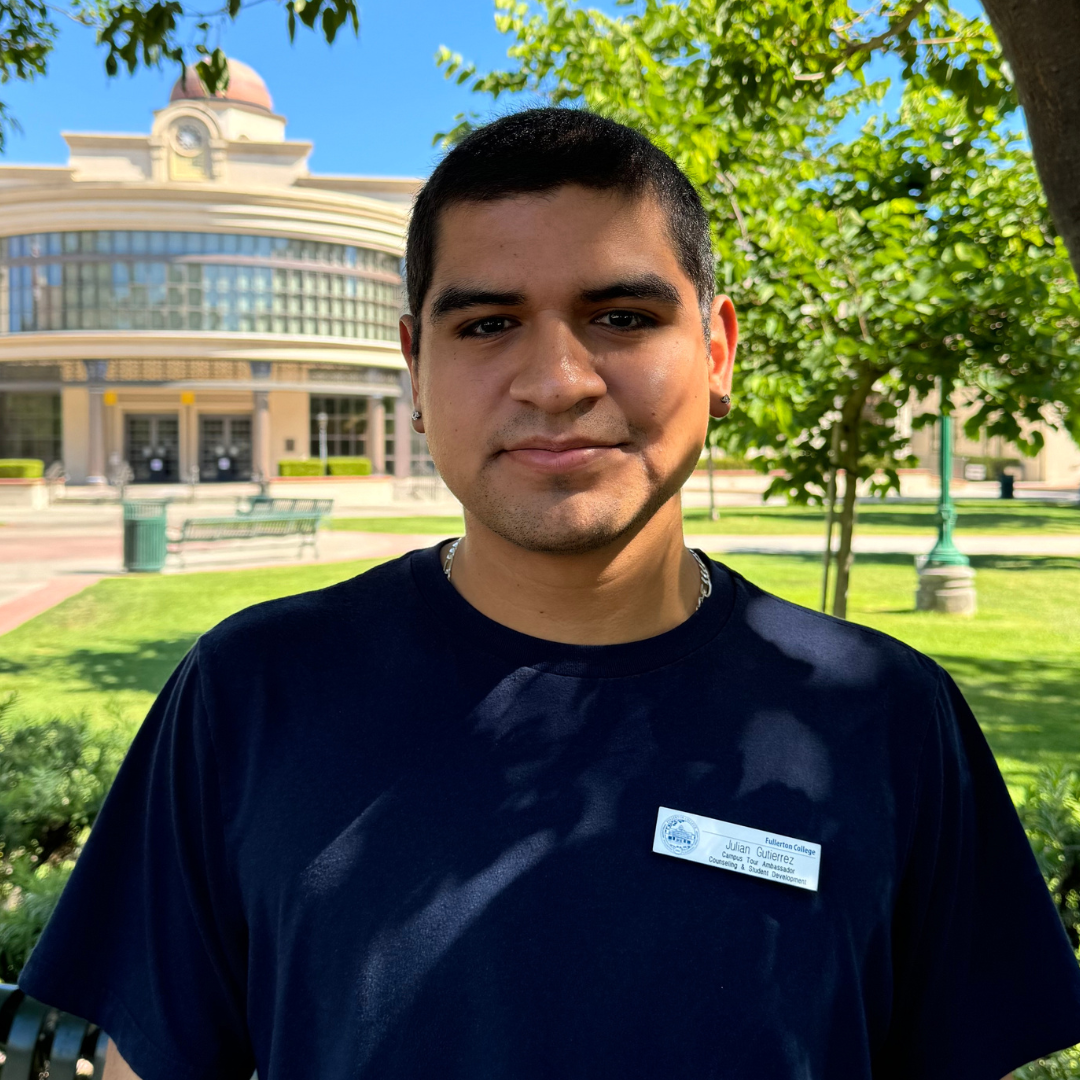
(680, 835)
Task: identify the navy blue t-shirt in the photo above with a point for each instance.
(369, 833)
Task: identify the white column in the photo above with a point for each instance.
(376, 434)
(402, 436)
(260, 437)
(189, 437)
(260, 425)
(95, 373)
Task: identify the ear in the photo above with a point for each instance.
(724, 336)
(406, 332)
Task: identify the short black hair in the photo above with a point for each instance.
(538, 150)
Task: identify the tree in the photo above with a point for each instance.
(143, 33)
(917, 257)
(1039, 37)
(866, 270)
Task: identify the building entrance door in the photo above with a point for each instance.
(224, 448)
(152, 447)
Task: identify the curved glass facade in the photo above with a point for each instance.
(130, 280)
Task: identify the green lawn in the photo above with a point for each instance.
(908, 518)
(107, 651)
(435, 526)
(1001, 517)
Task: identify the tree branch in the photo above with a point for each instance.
(730, 183)
(852, 48)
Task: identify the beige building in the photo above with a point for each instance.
(1057, 464)
(196, 301)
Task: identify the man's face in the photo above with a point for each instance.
(564, 379)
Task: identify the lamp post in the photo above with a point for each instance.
(323, 420)
(946, 580)
(945, 552)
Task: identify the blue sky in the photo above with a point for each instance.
(371, 105)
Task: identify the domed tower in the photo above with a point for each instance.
(191, 301)
(220, 137)
(246, 87)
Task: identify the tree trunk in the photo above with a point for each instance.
(1040, 39)
(713, 515)
(843, 551)
(848, 458)
(830, 516)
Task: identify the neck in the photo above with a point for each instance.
(635, 588)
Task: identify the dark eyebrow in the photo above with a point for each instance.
(644, 287)
(456, 298)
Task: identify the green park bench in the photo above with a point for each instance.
(261, 505)
(35, 1039)
(247, 527)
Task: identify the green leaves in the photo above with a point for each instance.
(54, 775)
(136, 33)
(866, 268)
(27, 33)
(330, 16)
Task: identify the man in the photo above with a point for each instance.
(560, 799)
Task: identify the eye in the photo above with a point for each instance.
(488, 327)
(626, 320)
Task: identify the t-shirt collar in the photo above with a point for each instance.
(471, 628)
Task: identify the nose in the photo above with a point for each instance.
(556, 370)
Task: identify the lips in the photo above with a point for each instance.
(555, 457)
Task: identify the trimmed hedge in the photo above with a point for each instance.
(349, 466)
(21, 468)
(724, 462)
(300, 468)
(335, 466)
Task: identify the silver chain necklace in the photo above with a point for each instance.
(703, 570)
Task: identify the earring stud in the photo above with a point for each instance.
(416, 414)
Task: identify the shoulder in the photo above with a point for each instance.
(834, 652)
(311, 621)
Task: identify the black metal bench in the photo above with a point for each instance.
(35, 1038)
(249, 527)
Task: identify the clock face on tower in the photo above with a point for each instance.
(189, 138)
(190, 150)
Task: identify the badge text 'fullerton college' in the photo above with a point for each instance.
(735, 847)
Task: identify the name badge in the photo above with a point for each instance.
(735, 847)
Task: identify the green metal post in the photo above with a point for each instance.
(945, 552)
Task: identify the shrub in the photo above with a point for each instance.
(54, 776)
(1050, 811)
(300, 468)
(724, 462)
(349, 466)
(1061, 1066)
(994, 466)
(21, 468)
(29, 894)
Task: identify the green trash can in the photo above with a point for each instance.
(144, 535)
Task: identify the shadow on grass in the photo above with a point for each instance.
(1028, 709)
(813, 558)
(1053, 518)
(1025, 562)
(780, 513)
(897, 558)
(146, 666)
